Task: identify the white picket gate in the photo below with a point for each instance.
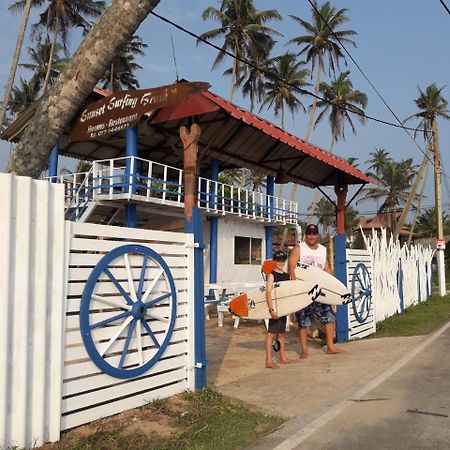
(49, 379)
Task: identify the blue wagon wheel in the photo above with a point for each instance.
(361, 292)
(128, 311)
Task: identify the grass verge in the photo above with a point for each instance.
(195, 421)
(416, 320)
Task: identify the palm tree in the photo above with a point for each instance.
(326, 215)
(59, 106)
(339, 101)
(39, 57)
(285, 80)
(12, 71)
(379, 159)
(432, 105)
(320, 42)
(242, 28)
(120, 74)
(23, 96)
(394, 180)
(59, 17)
(426, 223)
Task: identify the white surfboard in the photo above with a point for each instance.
(332, 291)
(287, 297)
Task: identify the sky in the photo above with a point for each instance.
(401, 45)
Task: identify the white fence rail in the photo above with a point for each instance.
(49, 380)
(31, 323)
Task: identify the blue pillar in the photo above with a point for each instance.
(340, 272)
(270, 188)
(400, 286)
(195, 226)
(214, 229)
(53, 163)
(131, 149)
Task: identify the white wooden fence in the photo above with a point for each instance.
(32, 261)
(48, 380)
(395, 266)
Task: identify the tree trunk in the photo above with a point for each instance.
(61, 103)
(15, 61)
(413, 191)
(52, 52)
(233, 75)
(416, 213)
(309, 128)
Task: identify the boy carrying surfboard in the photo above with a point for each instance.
(277, 325)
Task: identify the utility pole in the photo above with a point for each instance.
(440, 243)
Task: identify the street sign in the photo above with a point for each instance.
(124, 109)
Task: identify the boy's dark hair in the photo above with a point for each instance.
(279, 256)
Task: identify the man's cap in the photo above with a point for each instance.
(312, 228)
(279, 256)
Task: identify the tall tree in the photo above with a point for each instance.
(284, 83)
(65, 98)
(432, 105)
(59, 16)
(320, 43)
(121, 72)
(394, 180)
(12, 71)
(340, 100)
(39, 59)
(23, 96)
(326, 215)
(243, 28)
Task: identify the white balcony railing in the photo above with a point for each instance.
(139, 179)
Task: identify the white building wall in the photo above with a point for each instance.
(227, 271)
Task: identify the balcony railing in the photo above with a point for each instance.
(134, 178)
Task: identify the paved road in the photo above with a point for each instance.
(408, 410)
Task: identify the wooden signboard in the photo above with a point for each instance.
(121, 110)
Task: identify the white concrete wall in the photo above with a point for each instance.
(227, 271)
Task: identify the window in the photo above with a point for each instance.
(247, 250)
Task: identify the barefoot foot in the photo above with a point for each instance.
(272, 365)
(335, 351)
(287, 361)
(303, 355)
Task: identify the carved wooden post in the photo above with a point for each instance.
(190, 149)
(341, 192)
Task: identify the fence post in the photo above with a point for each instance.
(340, 272)
(194, 225)
(400, 286)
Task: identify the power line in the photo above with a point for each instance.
(265, 71)
(445, 6)
(370, 83)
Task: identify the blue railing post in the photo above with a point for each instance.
(131, 151)
(53, 163)
(195, 226)
(270, 187)
(340, 272)
(214, 230)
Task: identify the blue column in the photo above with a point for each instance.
(195, 226)
(214, 229)
(131, 149)
(53, 163)
(340, 272)
(270, 188)
(400, 286)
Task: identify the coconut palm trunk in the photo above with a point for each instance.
(416, 214)
(52, 53)
(60, 104)
(15, 61)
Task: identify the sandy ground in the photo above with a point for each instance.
(237, 368)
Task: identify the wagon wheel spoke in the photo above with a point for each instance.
(130, 277)
(141, 281)
(116, 335)
(109, 320)
(139, 342)
(127, 344)
(150, 333)
(110, 301)
(119, 287)
(158, 299)
(152, 285)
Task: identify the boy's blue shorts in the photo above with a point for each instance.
(323, 313)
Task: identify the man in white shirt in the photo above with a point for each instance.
(314, 254)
